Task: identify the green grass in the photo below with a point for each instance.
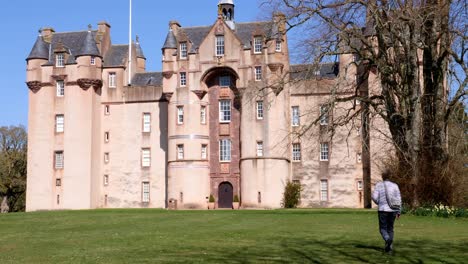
(241, 236)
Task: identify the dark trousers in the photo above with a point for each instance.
(386, 221)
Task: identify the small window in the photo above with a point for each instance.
(259, 148)
(180, 115)
(323, 115)
(60, 88)
(296, 151)
(204, 151)
(106, 137)
(58, 160)
(258, 73)
(106, 110)
(106, 180)
(183, 50)
(106, 157)
(259, 109)
(359, 157)
(183, 79)
(58, 199)
(60, 60)
(145, 197)
(295, 116)
(219, 45)
(323, 151)
(258, 45)
(180, 152)
(58, 182)
(359, 185)
(278, 46)
(146, 122)
(145, 157)
(112, 81)
(59, 123)
(323, 190)
(203, 114)
(225, 111)
(93, 60)
(225, 81)
(225, 150)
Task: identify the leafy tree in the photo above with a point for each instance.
(291, 195)
(415, 54)
(13, 158)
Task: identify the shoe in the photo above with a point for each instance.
(388, 246)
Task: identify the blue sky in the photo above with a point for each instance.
(21, 20)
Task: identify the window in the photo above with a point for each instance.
(183, 50)
(225, 81)
(259, 148)
(106, 157)
(58, 182)
(60, 60)
(359, 157)
(112, 76)
(106, 110)
(323, 115)
(106, 137)
(278, 46)
(145, 157)
(259, 109)
(60, 88)
(106, 180)
(258, 73)
(93, 60)
(59, 126)
(296, 148)
(58, 198)
(183, 79)
(323, 151)
(180, 115)
(295, 116)
(180, 152)
(145, 197)
(323, 190)
(58, 160)
(146, 122)
(225, 111)
(219, 45)
(203, 114)
(258, 45)
(204, 151)
(359, 185)
(225, 150)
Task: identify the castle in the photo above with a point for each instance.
(104, 133)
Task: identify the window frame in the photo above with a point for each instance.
(106, 157)
(259, 149)
(295, 116)
(180, 114)
(112, 80)
(60, 86)
(203, 114)
(324, 115)
(59, 127)
(225, 112)
(92, 60)
(258, 73)
(204, 151)
(146, 159)
(259, 108)
(183, 50)
(106, 180)
(278, 45)
(258, 45)
(220, 45)
(145, 192)
(106, 136)
(183, 79)
(180, 151)
(59, 160)
(296, 152)
(324, 189)
(146, 128)
(224, 78)
(106, 109)
(60, 60)
(225, 150)
(324, 151)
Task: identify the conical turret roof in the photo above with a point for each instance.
(40, 50)
(89, 47)
(171, 42)
(139, 50)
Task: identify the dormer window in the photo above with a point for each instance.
(60, 60)
(219, 45)
(258, 44)
(183, 50)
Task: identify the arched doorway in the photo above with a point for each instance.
(225, 195)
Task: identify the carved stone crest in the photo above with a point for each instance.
(199, 93)
(85, 84)
(34, 86)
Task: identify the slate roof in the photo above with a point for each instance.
(244, 31)
(40, 50)
(147, 79)
(89, 47)
(116, 56)
(139, 51)
(309, 71)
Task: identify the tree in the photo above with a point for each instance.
(13, 158)
(417, 52)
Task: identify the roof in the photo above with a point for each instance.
(244, 31)
(226, 2)
(310, 71)
(89, 47)
(116, 56)
(147, 79)
(40, 50)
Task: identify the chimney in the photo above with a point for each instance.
(104, 27)
(174, 25)
(280, 19)
(47, 34)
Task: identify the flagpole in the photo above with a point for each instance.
(130, 46)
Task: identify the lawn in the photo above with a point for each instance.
(226, 236)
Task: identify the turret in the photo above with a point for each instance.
(89, 55)
(226, 10)
(39, 55)
(141, 59)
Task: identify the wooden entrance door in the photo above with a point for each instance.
(225, 195)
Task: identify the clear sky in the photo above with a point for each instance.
(21, 20)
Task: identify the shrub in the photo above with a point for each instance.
(212, 199)
(236, 198)
(439, 211)
(291, 195)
